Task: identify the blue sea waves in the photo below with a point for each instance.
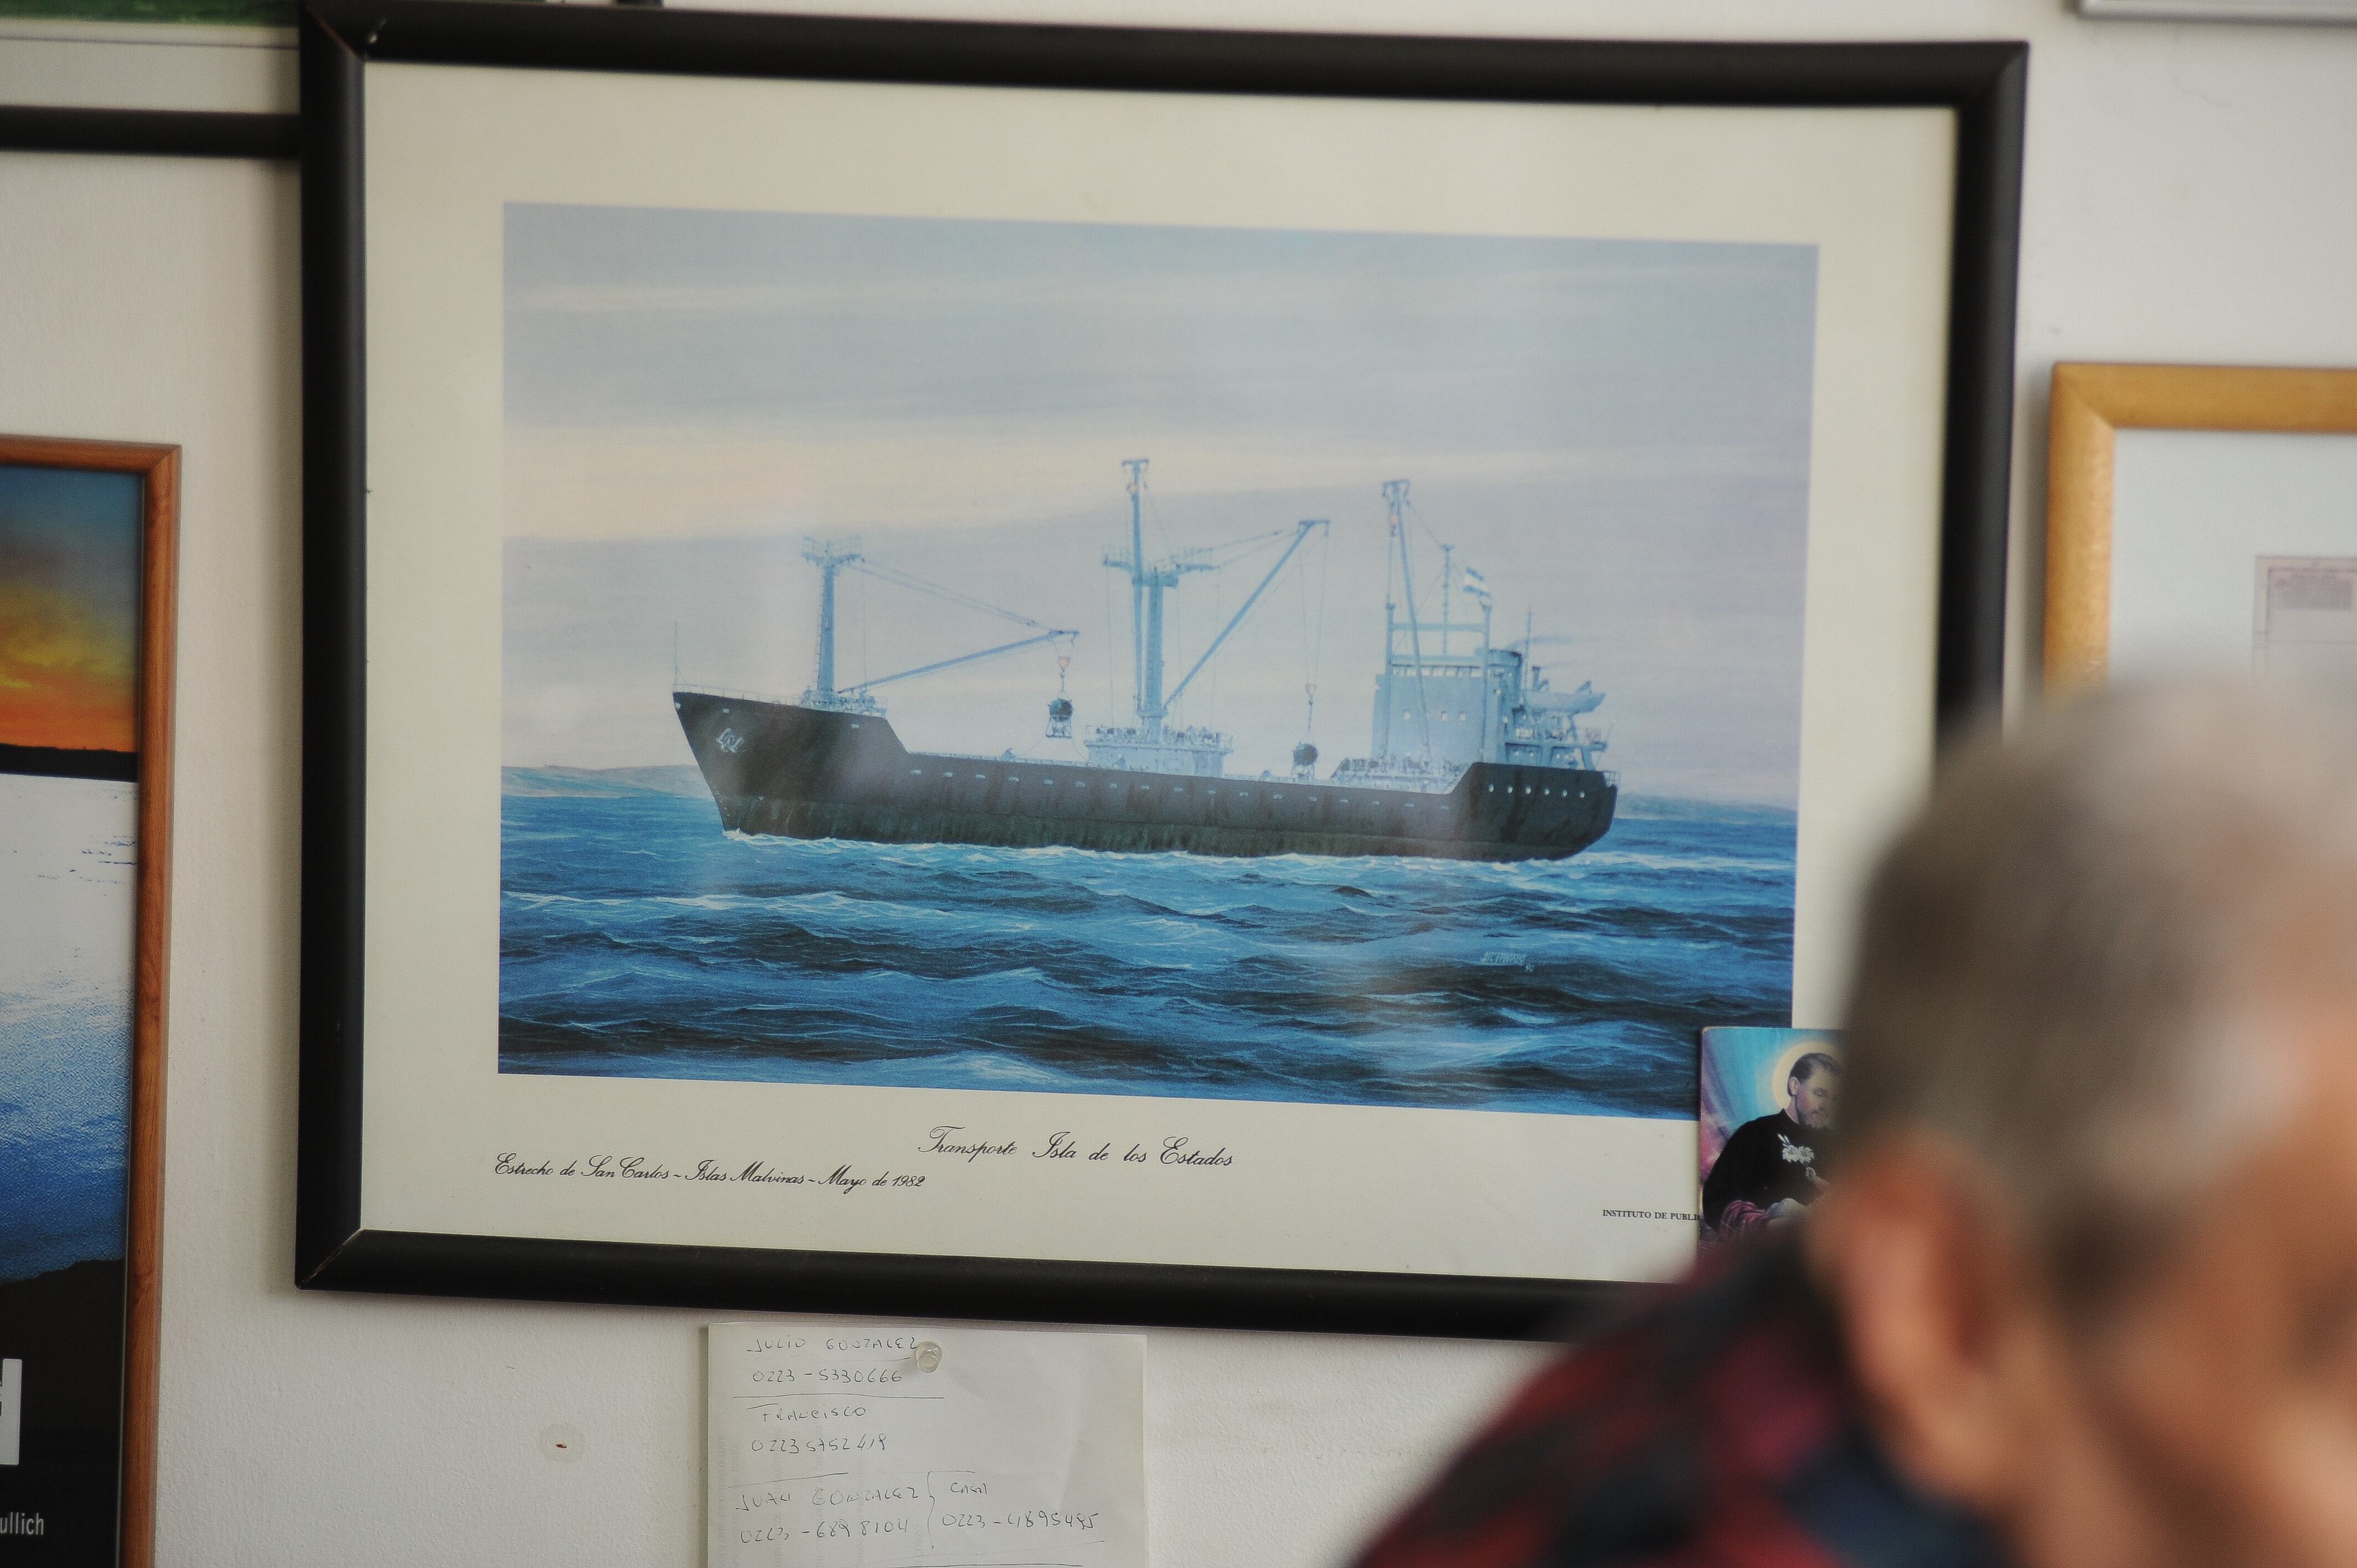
(639, 939)
(65, 1065)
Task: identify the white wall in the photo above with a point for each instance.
(2192, 194)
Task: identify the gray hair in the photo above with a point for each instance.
(2062, 957)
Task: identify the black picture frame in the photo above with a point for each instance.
(149, 133)
(1983, 82)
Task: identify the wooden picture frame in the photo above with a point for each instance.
(1951, 626)
(2090, 404)
(156, 469)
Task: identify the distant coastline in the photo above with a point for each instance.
(603, 783)
(67, 762)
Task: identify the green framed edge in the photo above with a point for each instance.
(174, 13)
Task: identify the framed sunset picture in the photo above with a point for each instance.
(86, 593)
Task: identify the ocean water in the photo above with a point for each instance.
(68, 858)
(637, 939)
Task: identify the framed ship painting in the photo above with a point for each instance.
(1081, 675)
(87, 535)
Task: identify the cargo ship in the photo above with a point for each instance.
(1471, 755)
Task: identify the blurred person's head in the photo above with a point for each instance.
(2092, 1240)
(1812, 1091)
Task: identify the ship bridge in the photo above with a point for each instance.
(1447, 697)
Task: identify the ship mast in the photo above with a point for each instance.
(1136, 467)
(1147, 582)
(1447, 592)
(830, 556)
(1396, 502)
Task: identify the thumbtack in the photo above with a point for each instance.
(928, 1356)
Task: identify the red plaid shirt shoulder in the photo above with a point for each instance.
(1714, 1428)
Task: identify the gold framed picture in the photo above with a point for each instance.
(2230, 539)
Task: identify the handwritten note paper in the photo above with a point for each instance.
(909, 1446)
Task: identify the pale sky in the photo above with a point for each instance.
(1615, 434)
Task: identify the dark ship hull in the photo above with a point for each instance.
(811, 773)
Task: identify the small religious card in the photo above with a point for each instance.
(1769, 1103)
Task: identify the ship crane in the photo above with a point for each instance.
(1301, 533)
(1149, 580)
(831, 558)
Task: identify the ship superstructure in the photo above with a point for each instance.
(1471, 755)
(1443, 705)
